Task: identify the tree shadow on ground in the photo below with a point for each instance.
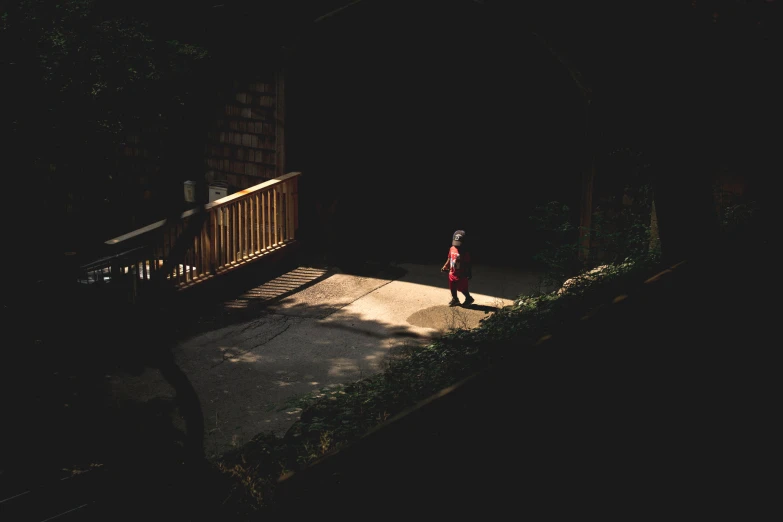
(58, 395)
(63, 423)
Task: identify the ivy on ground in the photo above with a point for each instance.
(339, 415)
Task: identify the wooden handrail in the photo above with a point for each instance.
(208, 206)
(208, 240)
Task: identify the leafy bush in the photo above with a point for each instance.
(622, 231)
(619, 233)
(561, 242)
(339, 415)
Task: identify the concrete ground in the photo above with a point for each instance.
(317, 328)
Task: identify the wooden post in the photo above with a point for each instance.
(289, 215)
(268, 224)
(296, 205)
(215, 241)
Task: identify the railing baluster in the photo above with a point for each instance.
(153, 259)
(283, 194)
(252, 229)
(246, 225)
(240, 230)
(186, 259)
(227, 244)
(133, 274)
(168, 255)
(203, 242)
(289, 215)
(284, 212)
(167, 247)
(228, 235)
(177, 270)
(214, 241)
(265, 215)
(200, 259)
(247, 222)
(192, 252)
(234, 232)
(296, 203)
(276, 208)
(144, 272)
(257, 223)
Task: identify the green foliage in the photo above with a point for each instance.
(619, 229)
(740, 216)
(339, 415)
(554, 221)
(82, 76)
(622, 231)
(735, 212)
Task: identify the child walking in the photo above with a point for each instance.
(460, 269)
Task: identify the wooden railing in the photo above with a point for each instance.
(210, 240)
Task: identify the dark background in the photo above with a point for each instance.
(421, 121)
(421, 117)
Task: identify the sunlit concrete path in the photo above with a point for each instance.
(316, 328)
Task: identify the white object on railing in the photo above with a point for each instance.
(217, 191)
(190, 191)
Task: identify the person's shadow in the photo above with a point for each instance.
(481, 308)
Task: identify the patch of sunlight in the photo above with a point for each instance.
(286, 283)
(283, 384)
(342, 366)
(247, 357)
(314, 383)
(376, 355)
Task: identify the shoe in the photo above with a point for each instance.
(468, 301)
(454, 302)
